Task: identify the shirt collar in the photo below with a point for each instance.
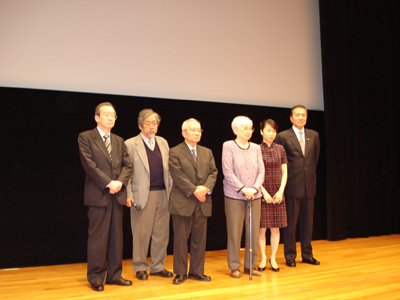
(297, 130)
(146, 139)
(190, 147)
(102, 134)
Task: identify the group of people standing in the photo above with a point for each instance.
(157, 182)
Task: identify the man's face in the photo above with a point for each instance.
(150, 126)
(106, 120)
(299, 118)
(193, 134)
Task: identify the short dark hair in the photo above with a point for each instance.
(97, 109)
(297, 106)
(269, 122)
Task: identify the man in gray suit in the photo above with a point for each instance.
(148, 189)
(194, 175)
(108, 168)
(302, 148)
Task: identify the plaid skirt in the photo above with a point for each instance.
(273, 215)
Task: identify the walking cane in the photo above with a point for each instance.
(250, 246)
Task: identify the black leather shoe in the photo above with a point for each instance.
(311, 261)
(272, 268)
(179, 279)
(141, 275)
(98, 286)
(291, 263)
(261, 269)
(163, 273)
(199, 277)
(121, 281)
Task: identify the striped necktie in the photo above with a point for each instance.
(194, 155)
(302, 145)
(108, 144)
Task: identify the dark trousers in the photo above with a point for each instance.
(105, 242)
(299, 210)
(194, 226)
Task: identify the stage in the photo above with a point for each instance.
(361, 268)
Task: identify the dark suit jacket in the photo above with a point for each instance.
(187, 175)
(302, 176)
(101, 170)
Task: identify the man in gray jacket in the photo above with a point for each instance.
(148, 189)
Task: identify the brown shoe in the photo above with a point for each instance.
(236, 274)
(254, 272)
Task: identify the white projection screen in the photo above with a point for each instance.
(261, 52)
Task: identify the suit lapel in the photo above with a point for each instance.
(142, 152)
(295, 141)
(200, 155)
(114, 147)
(98, 140)
(186, 152)
(307, 141)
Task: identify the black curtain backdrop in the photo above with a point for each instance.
(42, 216)
(360, 50)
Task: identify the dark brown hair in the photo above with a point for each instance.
(97, 109)
(269, 122)
(297, 106)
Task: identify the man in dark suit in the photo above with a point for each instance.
(194, 174)
(108, 168)
(302, 148)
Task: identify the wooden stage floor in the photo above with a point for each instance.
(362, 268)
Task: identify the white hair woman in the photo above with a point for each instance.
(243, 170)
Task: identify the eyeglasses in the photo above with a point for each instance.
(146, 124)
(247, 128)
(107, 115)
(193, 130)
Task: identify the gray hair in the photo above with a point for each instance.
(145, 113)
(240, 121)
(185, 123)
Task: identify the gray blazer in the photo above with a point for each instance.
(139, 184)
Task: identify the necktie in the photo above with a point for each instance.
(302, 145)
(151, 144)
(194, 155)
(108, 144)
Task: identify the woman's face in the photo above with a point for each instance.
(245, 132)
(268, 134)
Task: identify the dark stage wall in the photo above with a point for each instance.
(360, 62)
(43, 219)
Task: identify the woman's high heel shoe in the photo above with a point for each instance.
(272, 268)
(261, 269)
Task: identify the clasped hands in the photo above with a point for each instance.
(201, 193)
(249, 192)
(276, 199)
(115, 186)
